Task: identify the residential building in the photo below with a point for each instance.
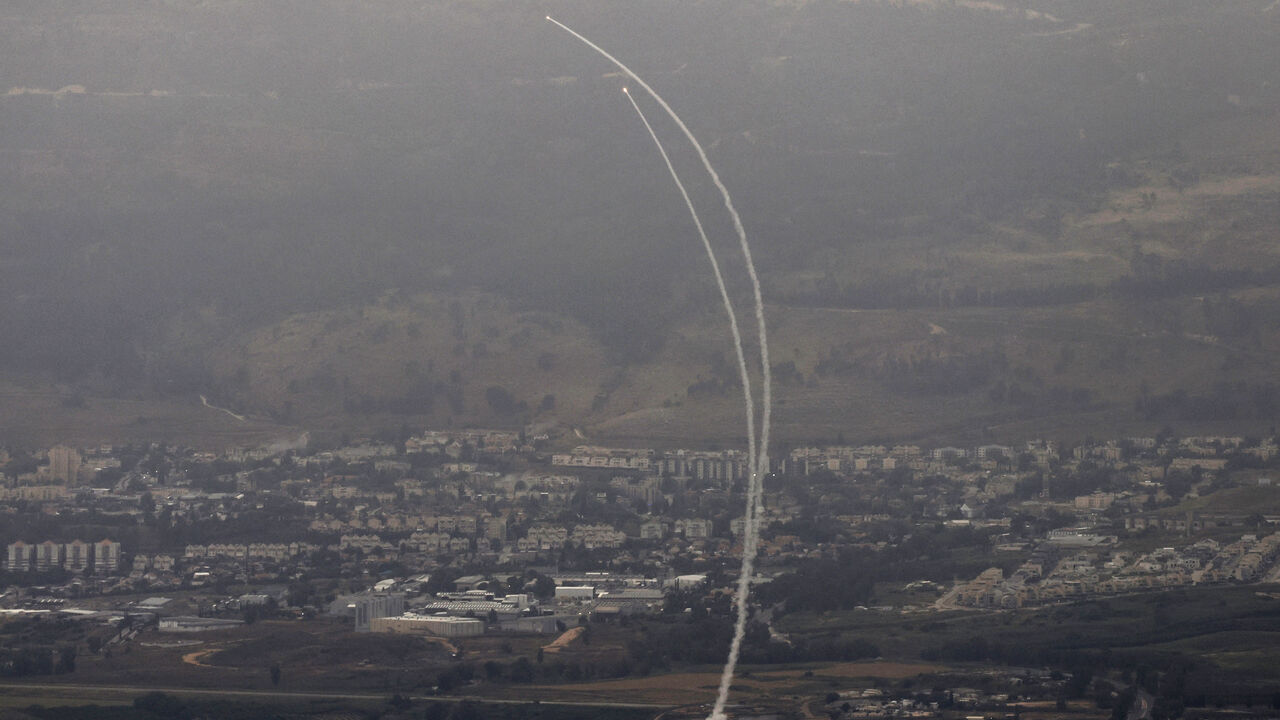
(48, 555)
(20, 557)
(106, 556)
(652, 530)
(693, 528)
(76, 556)
(64, 464)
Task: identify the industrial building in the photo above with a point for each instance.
(183, 623)
(366, 607)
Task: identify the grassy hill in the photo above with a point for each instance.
(963, 369)
(1240, 500)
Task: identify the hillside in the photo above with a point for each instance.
(971, 220)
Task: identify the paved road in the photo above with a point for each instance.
(948, 600)
(269, 695)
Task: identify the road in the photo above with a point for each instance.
(205, 401)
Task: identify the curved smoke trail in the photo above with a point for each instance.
(715, 268)
(758, 464)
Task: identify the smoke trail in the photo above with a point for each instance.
(715, 268)
(760, 462)
(767, 393)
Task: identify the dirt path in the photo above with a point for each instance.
(442, 642)
(193, 658)
(564, 640)
(205, 402)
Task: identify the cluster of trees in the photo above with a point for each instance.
(522, 670)
(937, 373)
(1225, 401)
(24, 661)
(1130, 639)
(943, 374)
(419, 398)
(933, 373)
(157, 705)
(1154, 277)
(906, 293)
(925, 552)
(1175, 681)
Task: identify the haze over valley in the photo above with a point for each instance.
(340, 217)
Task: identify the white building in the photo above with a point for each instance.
(20, 557)
(366, 607)
(76, 556)
(64, 464)
(438, 625)
(48, 555)
(575, 592)
(694, 528)
(598, 536)
(652, 530)
(106, 556)
(684, 582)
(196, 624)
(546, 537)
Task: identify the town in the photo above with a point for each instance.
(453, 535)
